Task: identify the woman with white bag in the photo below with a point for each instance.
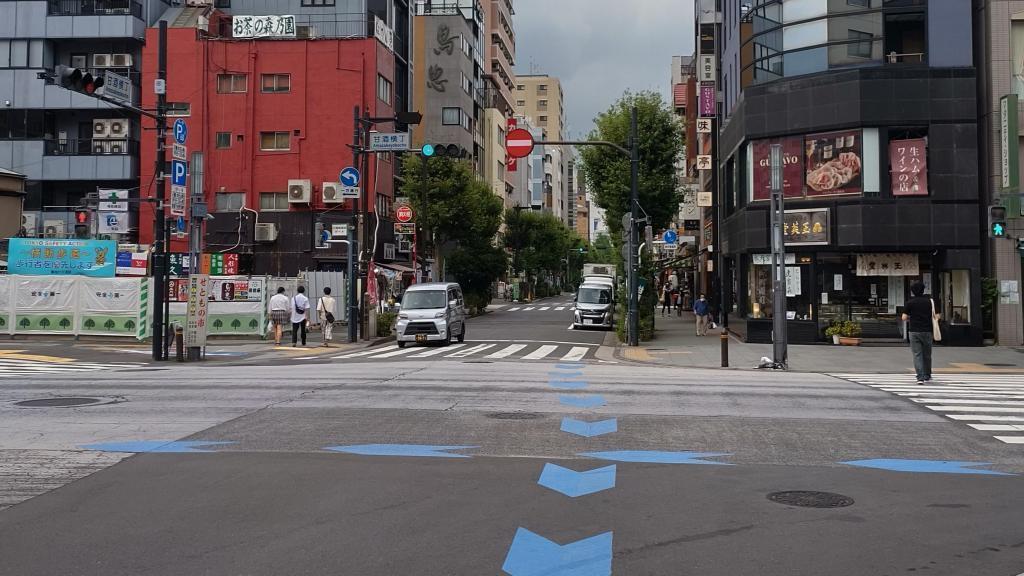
(923, 331)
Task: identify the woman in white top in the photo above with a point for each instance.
(300, 316)
(280, 313)
(325, 309)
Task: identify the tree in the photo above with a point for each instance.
(25, 323)
(236, 323)
(539, 243)
(476, 267)
(254, 323)
(44, 323)
(89, 323)
(608, 172)
(129, 325)
(110, 324)
(218, 324)
(64, 323)
(602, 251)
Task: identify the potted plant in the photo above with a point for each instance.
(849, 334)
(834, 331)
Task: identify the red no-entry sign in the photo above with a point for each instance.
(519, 143)
(404, 214)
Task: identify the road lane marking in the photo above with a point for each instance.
(560, 308)
(399, 352)
(430, 353)
(992, 417)
(528, 309)
(470, 351)
(576, 354)
(545, 308)
(1010, 439)
(540, 353)
(366, 352)
(506, 351)
(516, 309)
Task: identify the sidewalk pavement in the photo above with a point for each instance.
(675, 343)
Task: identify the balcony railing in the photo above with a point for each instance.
(92, 147)
(94, 8)
(910, 57)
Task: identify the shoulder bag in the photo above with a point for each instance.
(936, 332)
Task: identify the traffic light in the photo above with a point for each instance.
(453, 151)
(996, 222)
(78, 80)
(82, 224)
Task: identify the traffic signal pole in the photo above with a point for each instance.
(634, 202)
(159, 239)
(354, 236)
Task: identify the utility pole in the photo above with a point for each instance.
(354, 236)
(779, 335)
(159, 240)
(634, 205)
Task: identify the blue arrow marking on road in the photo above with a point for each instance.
(151, 446)
(654, 457)
(589, 429)
(566, 374)
(349, 177)
(583, 401)
(414, 450)
(533, 555)
(927, 466)
(575, 484)
(568, 384)
(570, 366)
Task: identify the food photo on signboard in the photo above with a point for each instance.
(834, 163)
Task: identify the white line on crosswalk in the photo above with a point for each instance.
(1010, 439)
(470, 351)
(990, 409)
(577, 353)
(366, 352)
(540, 353)
(430, 353)
(506, 351)
(516, 309)
(997, 427)
(395, 353)
(984, 417)
(528, 309)
(560, 308)
(969, 402)
(545, 308)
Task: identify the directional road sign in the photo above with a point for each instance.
(181, 224)
(117, 87)
(180, 131)
(519, 143)
(349, 177)
(669, 237)
(398, 141)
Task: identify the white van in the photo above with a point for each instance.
(432, 313)
(595, 306)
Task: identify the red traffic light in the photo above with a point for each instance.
(82, 217)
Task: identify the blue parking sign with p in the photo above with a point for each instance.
(179, 172)
(180, 131)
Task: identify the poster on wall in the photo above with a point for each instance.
(888, 265)
(250, 290)
(834, 163)
(794, 281)
(46, 257)
(908, 167)
(792, 168)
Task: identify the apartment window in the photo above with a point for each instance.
(273, 201)
(864, 3)
(275, 141)
(310, 3)
(520, 87)
(223, 140)
(179, 109)
(467, 85)
(230, 202)
(520, 103)
(276, 83)
(31, 125)
(542, 104)
(542, 88)
(231, 83)
(222, 3)
(860, 49)
(383, 89)
(467, 47)
(21, 53)
(543, 119)
(451, 116)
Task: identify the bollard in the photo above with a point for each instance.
(179, 343)
(724, 337)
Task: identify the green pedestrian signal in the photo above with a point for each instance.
(996, 222)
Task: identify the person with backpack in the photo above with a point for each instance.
(300, 316)
(325, 309)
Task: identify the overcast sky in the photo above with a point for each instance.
(600, 48)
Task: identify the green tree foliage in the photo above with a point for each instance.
(607, 170)
(538, 242)
(476, 266)
(602, 251)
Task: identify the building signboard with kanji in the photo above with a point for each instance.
(49, 257)
(806, 227)
(197, 312)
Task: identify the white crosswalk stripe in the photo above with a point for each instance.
(437, 351)
(506, 351)
(560, 308)
(985, 402)
(18, 367)
(577, 353)
(540, 353)
(500, 350)
(470, 351)
(543, 308)
(365, 353)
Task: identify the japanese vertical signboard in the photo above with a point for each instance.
(909, 167)
(708, 97)
(198, 306)
(1009, 144)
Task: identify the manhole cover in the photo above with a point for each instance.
(515, 416)
(806, 499)
(996, 365)
(58, 402)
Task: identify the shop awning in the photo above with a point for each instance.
(397, 267)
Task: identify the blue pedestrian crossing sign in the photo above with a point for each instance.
(180, 131)
(669, 237)
(181, 224)
(349, 177)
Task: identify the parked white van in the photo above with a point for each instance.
(432, 313)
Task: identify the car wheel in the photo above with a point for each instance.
(401, 344)
(462, 335)
(448, 339)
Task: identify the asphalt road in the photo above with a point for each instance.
(293, 486)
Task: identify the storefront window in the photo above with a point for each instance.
(956, 296)
(799, 286)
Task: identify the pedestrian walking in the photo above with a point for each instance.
(325, 308)
(702, 310)
(280, 313)
(666, 299)
(922, 330)
(300, 316)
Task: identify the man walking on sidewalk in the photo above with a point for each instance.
(922, 330)
(300, 316)
(702, 310)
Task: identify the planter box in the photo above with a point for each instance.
(845, 341)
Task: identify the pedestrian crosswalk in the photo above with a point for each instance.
(531, 351)
(23, 367)
(986, 402)
(550, 308)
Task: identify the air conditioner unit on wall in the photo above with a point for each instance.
(30, 224)
(120, 60)
(266, 233)
(101, 60)
(404, 246)
(119, 128)
(332, 193)
(54, 228)
(300, 191)
(100, 129)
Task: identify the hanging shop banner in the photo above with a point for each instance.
(888, 265)
(45, 257)
(198, 306)
(807, 227)
(248, 290)
(834, 163)
(794, 281)
(113, 200)
(908, 165)
(220, 264)
(792, 167)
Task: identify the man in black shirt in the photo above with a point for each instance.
(918, 313)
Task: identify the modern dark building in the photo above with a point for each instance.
(874, 103)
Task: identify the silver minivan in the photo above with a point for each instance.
(594, 306)
(432, 313)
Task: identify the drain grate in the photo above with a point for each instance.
(809, 499)
(515, 416)
(59, 402)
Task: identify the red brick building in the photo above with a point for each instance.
(263, 113)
